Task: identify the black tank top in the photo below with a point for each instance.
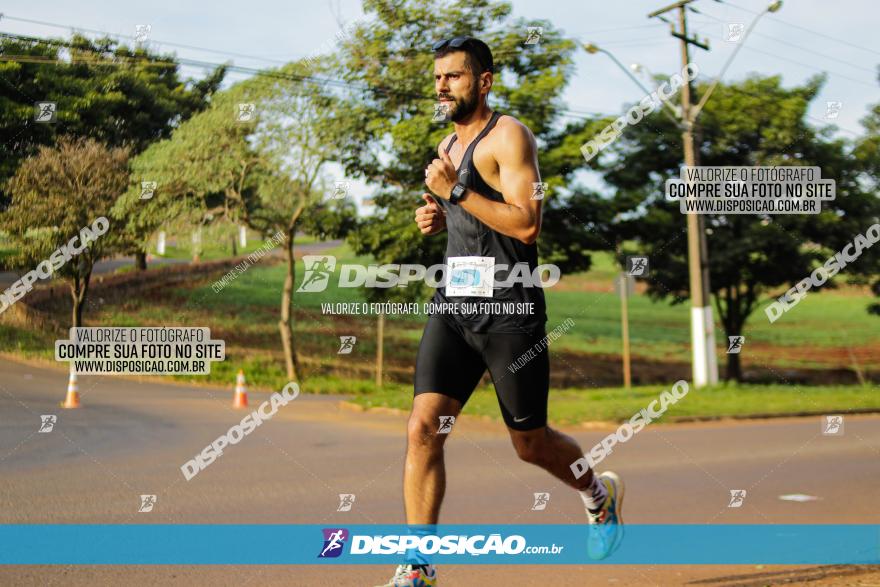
(469, 237)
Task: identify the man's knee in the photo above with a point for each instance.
(531, 448)
(421, 433)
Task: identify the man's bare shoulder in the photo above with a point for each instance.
(444, 143)
(509, 128)
(511, 134)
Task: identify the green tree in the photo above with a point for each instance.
(867, 157)
(753, 122)
(118, 95)
(55, 194)
(265, 168)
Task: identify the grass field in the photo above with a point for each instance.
(658, 330)
(572, 406)
(245, 315)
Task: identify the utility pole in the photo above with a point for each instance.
(623, 283)
(704, 363)
(624, 280)
(380, 347)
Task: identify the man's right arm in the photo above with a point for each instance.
(430, 217)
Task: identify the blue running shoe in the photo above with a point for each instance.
(606, 526)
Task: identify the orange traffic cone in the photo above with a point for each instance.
(72, 400)
(240, 400)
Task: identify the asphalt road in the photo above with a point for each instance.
(131, 437)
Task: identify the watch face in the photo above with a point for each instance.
(458, 191)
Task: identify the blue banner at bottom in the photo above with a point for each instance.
(174, 544)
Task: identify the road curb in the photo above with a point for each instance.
(351, 406)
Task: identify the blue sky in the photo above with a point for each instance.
(804, 38)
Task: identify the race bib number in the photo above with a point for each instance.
(470, 276)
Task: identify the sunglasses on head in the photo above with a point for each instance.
(469, 42)
(455, 43)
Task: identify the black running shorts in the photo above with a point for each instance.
(452, 360)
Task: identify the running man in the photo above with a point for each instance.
(319, 270)
(483, 179)
(334, 542)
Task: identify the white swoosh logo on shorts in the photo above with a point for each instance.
(522, 419)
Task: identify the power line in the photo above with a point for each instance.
(498, 53)
(802, 64)
(570, 113)
(120, 60)
(780, 21)
(799, 47)
(131, 37)
(813, 67)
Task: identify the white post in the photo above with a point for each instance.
(242, 236)
(197, 244)
(705, 366)
(160, 245)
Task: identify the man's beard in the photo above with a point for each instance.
(465, 106)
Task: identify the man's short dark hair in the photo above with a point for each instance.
(479, 56)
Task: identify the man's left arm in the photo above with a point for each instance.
(519, 215)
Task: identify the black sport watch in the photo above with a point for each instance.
(457, 194)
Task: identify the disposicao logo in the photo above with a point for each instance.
(319, 270)
(334, 540)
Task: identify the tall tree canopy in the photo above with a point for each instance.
(753, 122)
(110, 92)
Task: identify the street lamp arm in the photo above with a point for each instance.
(695, 111)
(590, 48)
(625, 70)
